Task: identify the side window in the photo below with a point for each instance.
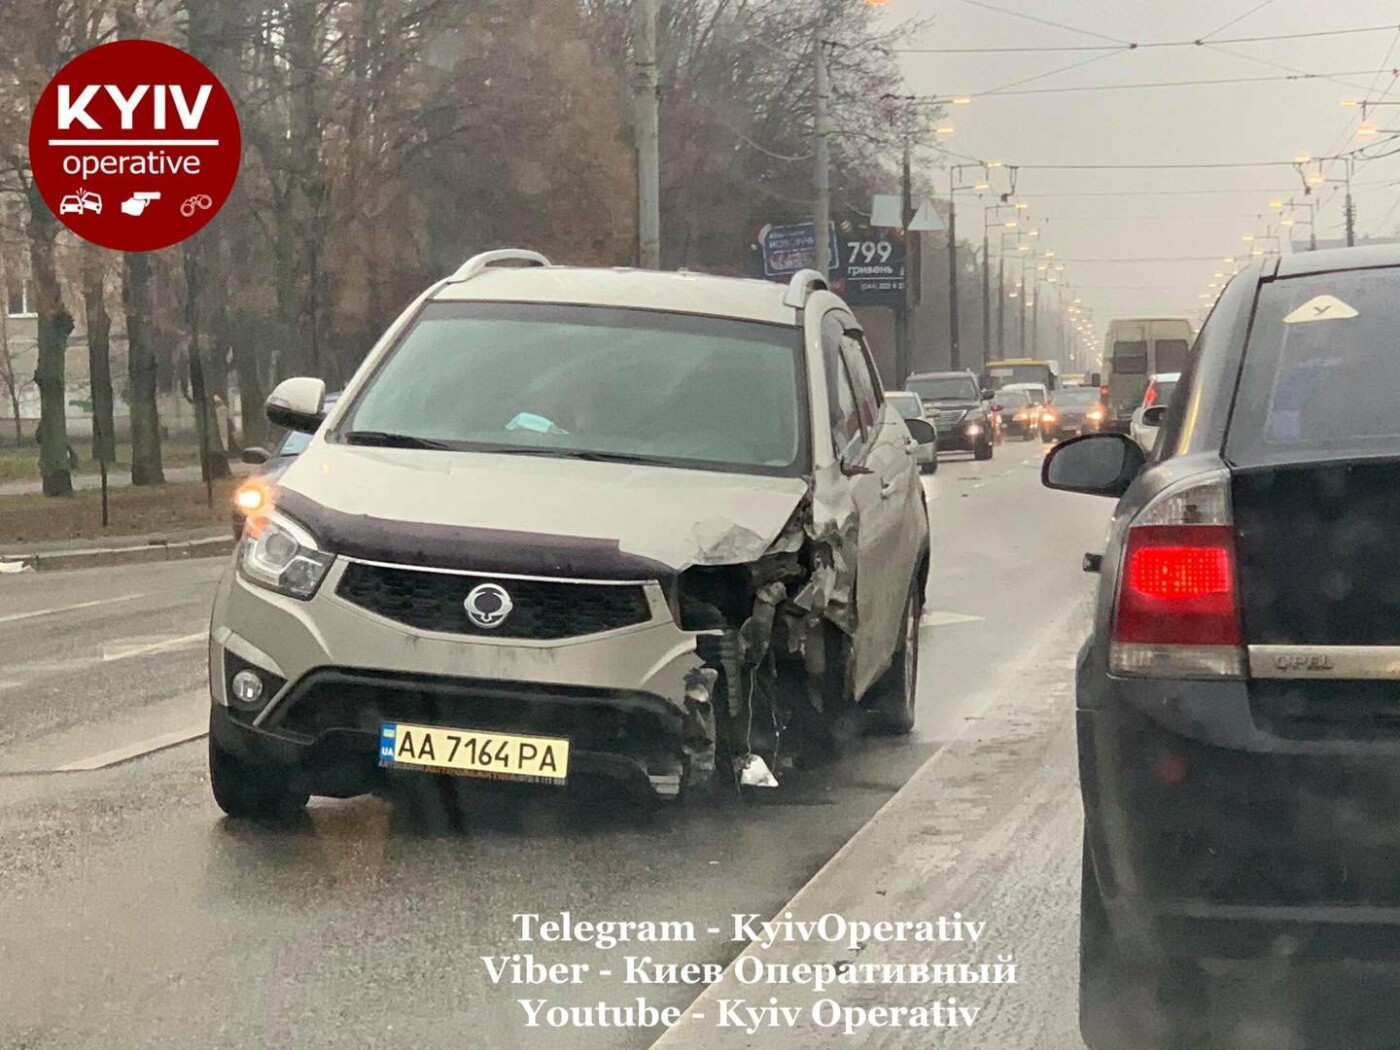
(862, 377)
(1170, 430)
(846, 429)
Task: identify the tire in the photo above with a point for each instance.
(896, 693)
(933, 467)
(983, 452)
(1130, 1003)
(251, 792)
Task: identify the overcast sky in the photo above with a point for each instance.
(1225, 123)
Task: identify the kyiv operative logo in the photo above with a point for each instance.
(134, 145)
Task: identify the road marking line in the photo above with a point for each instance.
(939, 618)
(165, 645)
(130, 751)
(12, 617)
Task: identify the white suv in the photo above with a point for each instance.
(571, 521)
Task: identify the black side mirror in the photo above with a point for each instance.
(987, 395)
(1095, 464)
(1152, 417)
(921, 430)
(256, 456)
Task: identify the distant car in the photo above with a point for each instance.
(1159, 392)
(1075, 410)
(959, 409)
(1020, 416)
(1039, 393)
(252, 494)
(910, 407)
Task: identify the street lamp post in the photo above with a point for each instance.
(954, 349)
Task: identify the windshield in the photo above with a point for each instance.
(944, 388)
(688, 391)
(1076, 397)
(1003, 375)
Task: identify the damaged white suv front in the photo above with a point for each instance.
(572, 521)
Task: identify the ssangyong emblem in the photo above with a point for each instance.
(488, 605)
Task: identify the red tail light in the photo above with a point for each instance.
(1103, 392)
(1178, 612)
(1151, 396)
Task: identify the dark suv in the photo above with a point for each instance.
(958, 407)
(1238, 703)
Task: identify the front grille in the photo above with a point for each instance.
(947, 417)
(435, 601)
(333, 699)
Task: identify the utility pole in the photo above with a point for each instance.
(904, 316)
(1024, 292)
(986, 292)
(1035, 317)
(821, 179)
(1350, 209)
(645, 87)
(1001, 303)
(954, 351)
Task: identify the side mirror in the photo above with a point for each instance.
(987, 395)
(297, 404)
(1095, 464)
(998, 408)
(1152, 417)
(256, 456)
(921, 430)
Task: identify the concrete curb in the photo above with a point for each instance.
(155, 550)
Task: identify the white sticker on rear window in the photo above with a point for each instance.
(1323, 308)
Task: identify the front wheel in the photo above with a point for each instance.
(249, 791)
(896, 691)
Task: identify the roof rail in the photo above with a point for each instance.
(484, 260)
(803, 284)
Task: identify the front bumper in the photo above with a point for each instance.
(1212, 839)
(341, 670)
(965, 436)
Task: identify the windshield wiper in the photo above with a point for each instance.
(575, 453)
(384, 439)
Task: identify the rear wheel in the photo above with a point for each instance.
(1130, 1003)
(249, 791)
(896, 691)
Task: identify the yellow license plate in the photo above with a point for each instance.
(474, 752)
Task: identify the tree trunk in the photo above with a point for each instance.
(7, 363)
(141, 371)
(99, 328)
(212, 464)
(55, 325)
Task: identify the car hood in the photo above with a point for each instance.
(953, 406)
(670, 515)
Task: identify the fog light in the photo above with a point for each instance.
(247, 687)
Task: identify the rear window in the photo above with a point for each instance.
(908, 407)
(1171, 355)
(1130, 358)
(1076, 397)
(1164, 393)
(1321, 370)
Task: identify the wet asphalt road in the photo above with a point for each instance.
(133, 914)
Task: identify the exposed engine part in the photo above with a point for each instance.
(754, 772)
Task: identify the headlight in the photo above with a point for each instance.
(280, 555)
(973, 429)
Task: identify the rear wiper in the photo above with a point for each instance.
(384, 439)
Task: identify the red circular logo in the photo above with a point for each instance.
(134, 145)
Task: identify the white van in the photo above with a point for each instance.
(1135, 350)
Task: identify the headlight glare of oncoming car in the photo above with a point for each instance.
(280, 555)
